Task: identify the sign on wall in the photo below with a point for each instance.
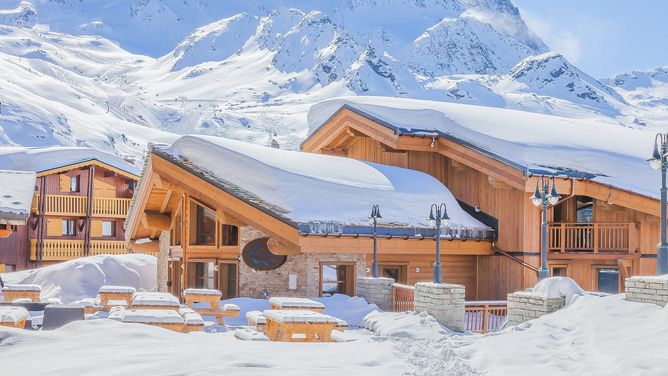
(256, 255)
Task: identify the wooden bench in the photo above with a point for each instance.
(289, 303)
(299, 326)
(15, 292)
(187, 322)
(13, 317)
(227, 310)
(117, 293)
(257, 320)
(192, 296)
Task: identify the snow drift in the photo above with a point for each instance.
(82, 278)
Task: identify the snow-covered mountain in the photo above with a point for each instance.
(115, 75)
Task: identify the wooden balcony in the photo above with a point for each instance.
(77, 206)
(110, 207)
(593, 237)
(62, 250)
(58, 250)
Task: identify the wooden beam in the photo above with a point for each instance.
(165, 202)
(152, 247)
(156, 221)
(321, 244)
(227, 219)
(279, 247)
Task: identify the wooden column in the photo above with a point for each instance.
(163, 259)
(185, 237)
(89, 209)
(40, 231)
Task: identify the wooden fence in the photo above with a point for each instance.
(483, 317)
(403, 298)
(592, 237)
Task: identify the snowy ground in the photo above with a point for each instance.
(593, 336)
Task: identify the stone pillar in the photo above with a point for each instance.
(524, 306)
(376, 291)
(445, 302)
(163, 261)
(647, 289)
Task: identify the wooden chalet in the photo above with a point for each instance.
(604, 228)
(79, 201)
(255, 221)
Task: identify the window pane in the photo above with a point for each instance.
(74, 183)
(107, 228)
(334, 279)
(206, 226)
(229, 235)
(608, 280)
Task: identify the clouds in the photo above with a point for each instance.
(562, 41)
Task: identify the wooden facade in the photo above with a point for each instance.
(174, 199)
(78, 210)
(616, 238)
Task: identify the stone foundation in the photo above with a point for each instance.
(304, 267)
(645, 289)
(445, 302)
(377, 291)
(524, 306)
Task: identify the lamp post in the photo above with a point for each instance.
(544, 197)
(658, 161)
(374, 217)
(438, 215)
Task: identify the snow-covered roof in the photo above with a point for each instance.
(39, 159)
(16, 193)
(307, 188)
(597, 148)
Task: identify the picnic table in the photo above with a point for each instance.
(115, 293)
(13, 293)
(212, 297)
(184, 320)
(299, 326)
(289, 303)
(155, 300)
(13, 317)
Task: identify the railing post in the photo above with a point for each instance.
(595, 234)
(394, 299)
(562, 237)
(485, 317)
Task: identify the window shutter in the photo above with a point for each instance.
(54, 227)
(64, 183)
(96, 229)
(104, 189)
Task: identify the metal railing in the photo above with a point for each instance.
(592, 237)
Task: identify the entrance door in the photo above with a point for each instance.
(228, 278)
(397, 272)
(174, 278)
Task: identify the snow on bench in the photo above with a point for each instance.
(117, 303)
(249, 335)
(117, 289)
(292, 303)
(16, 287)
(13, 315)
(116, 313)
(255, 318)
(202, 292)
(191, 317)
(152, 316)
(298, 317)
(155, 299)
(231, 307)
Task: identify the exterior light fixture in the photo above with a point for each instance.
(438, 215)
(658, 161)
(374, 217)
(542, 198)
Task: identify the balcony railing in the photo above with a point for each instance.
(592, 237)
(111, 207)
(70, 205)
(107, 247)
(62, 250)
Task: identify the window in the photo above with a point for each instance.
(396, 272)
(229, 235)
(202, 275)
(608, 280)
(559, 271)
(69, 227)
(108, 228)
(584, 211)
(205, 226)
(337, 278)
(227, 282)
(74, 183)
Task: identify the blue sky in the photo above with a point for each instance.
(602, 37)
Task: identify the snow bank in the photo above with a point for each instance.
(308, 187)
(411, 325)
(596, 145)
(558, 287)
(82, 278)
(16, 192)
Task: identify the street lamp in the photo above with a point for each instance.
(658, 161)
(437, 216)
(374, 217)
(541, 197)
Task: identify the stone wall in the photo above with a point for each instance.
(304, 267)
(377, 291)
(524, 306)
(163, 261)
(647, 289)
(445, 302)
